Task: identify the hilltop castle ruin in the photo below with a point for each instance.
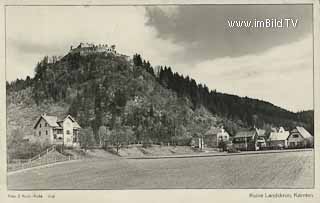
(85, 49)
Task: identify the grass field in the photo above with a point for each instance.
(280, 170)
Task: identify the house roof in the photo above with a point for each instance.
(273, 129)
(261, 132)
(304, 133)
(276, 136)
(245, 133)
(75, 124)
(53, 121)
(213, 131)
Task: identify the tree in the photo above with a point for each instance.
(104, 134)
(222, 145)
(86, 138)
(19, 148)
(137, 61)
(118, 134)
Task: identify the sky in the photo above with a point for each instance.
(272, 64)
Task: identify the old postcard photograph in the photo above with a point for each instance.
(164, 96)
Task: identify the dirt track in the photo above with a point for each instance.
(281, 170)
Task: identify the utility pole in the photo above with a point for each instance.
(245, 139)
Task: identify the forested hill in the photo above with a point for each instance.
(252, 112)
(100, 88)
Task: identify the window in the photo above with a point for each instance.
(295, 136)
(46, 132)
(58, 131)
(46, 124)
(54, 136)
(40, 125)
(68, 132)
(39, 133)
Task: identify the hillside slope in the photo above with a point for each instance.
(110, 91)
(96, 90)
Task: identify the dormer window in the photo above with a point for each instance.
(295, 136)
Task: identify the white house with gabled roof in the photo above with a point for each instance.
(279, 138)
(299, 137)
(55, 131)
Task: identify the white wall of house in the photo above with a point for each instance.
(67, 131)
(295, 138)
(223, 135)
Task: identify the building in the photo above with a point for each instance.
(245, 140)
(252, 139)
(88, 48)
(85, 49)
(261, 141)
(214, 136)
(278, 139)
(197, 141)
(261, 133)
(300, 138)
(50, 129)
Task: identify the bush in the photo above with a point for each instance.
(147, 143)
(182, 140)
(18, 148)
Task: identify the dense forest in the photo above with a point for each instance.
(109, 96)
(252, 112)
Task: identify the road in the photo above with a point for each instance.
(279, 170)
